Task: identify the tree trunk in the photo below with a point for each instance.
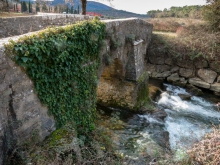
(83, 6)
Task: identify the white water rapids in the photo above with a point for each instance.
(187, 120)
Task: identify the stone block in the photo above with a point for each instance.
(169, 61)
(218, 79)
(215, 87)
(198, 82)
(186, 72)
(208, 76)
(162, 68)
(174, 69)
(161, 75)
(174, 77)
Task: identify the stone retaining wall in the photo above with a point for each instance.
(198, 72)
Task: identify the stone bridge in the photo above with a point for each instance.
(122, 82)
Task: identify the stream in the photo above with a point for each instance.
(178, 123)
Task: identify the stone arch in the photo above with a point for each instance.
(114, 71)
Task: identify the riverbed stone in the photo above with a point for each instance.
(193, 90)
(215, 87)
(182, 82)
(198, 82)
(154, 91)
(173, 77)
(186, 72)
(159, 114)
(162, 138)
(208, 76)
(184, 96)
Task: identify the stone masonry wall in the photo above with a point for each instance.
(21, 25)
(184, 71)
(21, 112)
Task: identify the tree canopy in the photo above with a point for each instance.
(180, 12)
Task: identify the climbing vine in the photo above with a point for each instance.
(63, 64)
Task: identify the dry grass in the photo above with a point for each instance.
(171, 24)
(190, 38)
(207, 151)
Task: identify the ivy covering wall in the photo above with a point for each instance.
(63, 64)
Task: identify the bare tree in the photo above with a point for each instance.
(84, 2)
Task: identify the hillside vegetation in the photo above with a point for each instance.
(193, 38)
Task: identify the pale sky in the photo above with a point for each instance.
(142, 6)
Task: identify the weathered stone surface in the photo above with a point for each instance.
(186, 72)
(154, 91)
(20, 106)
(218, 79)
(198, 82)
(185, 63)
(174, 69)
(184, 96)
(161, 75)
(208, 76)
(159, 114)
(193, 90)
(169, 61)
(150, 68)
(22, 25)
(174, 77)
(162, 68)
(215, 87)
(214, 65)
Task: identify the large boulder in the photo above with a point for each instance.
(198, 82)
(215, 87)
(208, 76)
(173, 77)
(186, 72)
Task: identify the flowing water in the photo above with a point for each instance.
(187, 120)
(143, 135)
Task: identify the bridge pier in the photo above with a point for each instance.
(123, 79)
